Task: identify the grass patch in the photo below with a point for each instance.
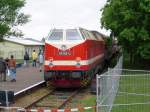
(88, 102)
(133, 90)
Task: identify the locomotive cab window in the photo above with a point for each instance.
(56, 35)
(73, 34)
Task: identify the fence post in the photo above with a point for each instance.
(6, 94)
(97, 83)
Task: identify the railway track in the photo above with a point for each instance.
(30, 94)
(55, 99)
(44, 98)
(26, 96)
(61, 99)
(40, 96)
(77, 100)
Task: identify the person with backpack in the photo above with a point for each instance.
(12, 68)
(26, 59)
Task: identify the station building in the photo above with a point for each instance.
(18, 46)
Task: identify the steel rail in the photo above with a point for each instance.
(69, 98)
(38, 100)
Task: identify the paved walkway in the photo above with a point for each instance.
(25, 77)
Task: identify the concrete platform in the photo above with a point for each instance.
(25, 77)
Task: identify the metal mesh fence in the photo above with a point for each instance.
(122, 90)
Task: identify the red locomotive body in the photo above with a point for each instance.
(72, 57)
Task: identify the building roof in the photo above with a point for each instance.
(24, 41)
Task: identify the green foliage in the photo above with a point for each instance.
(144, 50)
(129, 21)
(11, 17)
(108, 41)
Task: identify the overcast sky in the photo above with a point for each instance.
(48, 14)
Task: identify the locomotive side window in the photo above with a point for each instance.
(83, 34)
(87, 34)
(91, 36)
(72, 34)
(56, 35)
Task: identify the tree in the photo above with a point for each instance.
(129, 22)
(11, 17)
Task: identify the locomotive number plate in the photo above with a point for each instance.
(64, 53)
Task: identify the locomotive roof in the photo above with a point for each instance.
(100, 34)
(84, 34)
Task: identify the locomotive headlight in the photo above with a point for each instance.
(78, 59)
(50, 62)
(78, 64)
(51, 59)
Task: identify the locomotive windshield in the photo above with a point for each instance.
(56, 35)
(72, 34)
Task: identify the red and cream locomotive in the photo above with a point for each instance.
(72, 57)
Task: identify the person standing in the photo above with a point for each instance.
(26, 59)
(2, 70)
(12, 68)
(41, 60)
(7, 62)
(34, 58)
(7, 66)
